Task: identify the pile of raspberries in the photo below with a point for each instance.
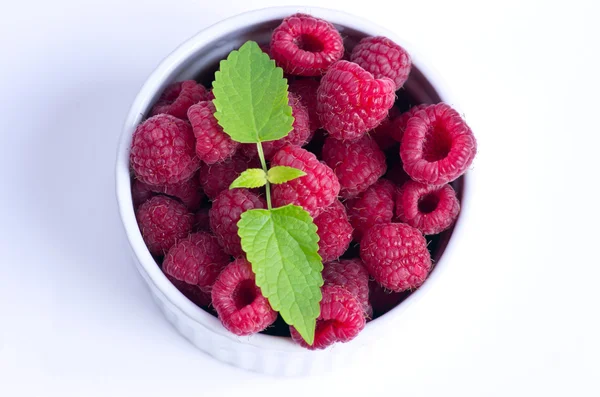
(377, 182)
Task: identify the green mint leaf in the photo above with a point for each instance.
(282, 244)
(251, 178)
(283, 174)
(251, 96)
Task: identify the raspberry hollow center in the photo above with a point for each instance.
(428, 203)
(310, 43)
(244, 294)
(437, 144)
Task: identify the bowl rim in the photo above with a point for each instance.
(157, 79)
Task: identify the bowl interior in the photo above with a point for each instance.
(198, 59)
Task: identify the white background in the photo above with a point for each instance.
(518, 313)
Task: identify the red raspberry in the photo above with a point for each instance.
(398, 124)
(334, 230)
(382, 300)
(374, 206)
(240, 305)
(350, 101)
(217, 177)
(357, 165)
(178, 97)
(306, 90)
(188, 192)
(162, 151)
(212, 143)
(431, 209)
(384, 58)
(226, 212)
(437, 146)
(341, 319)
(315, 191)
(163, 221)
(352, 275)
(385, 132)
(197, 260)
(299, 135)
(306, 46)
(201, 220)
(192, 292)
(396, 256)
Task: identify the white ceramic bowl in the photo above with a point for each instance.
(261, 353)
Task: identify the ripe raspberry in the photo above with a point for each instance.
(299, 135)
(196, 260)
(217, 177)
(352, 275)
(384, 133)
(350, 101)
(188, 192)
(374, 206)
(341, 319)
(315, 191)
(201, 220)
(437, 146)
(240, 305)
(192, 292)
(226, 212)
(431, 209)
(384, 58)
(334, 230)
(399, 123)
(306, 90)
(162, 151)
(382, 300)
(212, 144)
(178, 97)
(396, 255)
(306, 46)
(163, 221)
(357, 165)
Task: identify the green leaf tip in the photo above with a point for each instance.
(251, 96)
(282, 246)
(283, 173)
(251, 178)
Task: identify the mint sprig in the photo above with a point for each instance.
(282, 245)
(251, 96)
(251, 178)
(251, 101)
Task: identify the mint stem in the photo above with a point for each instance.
(263, 162)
